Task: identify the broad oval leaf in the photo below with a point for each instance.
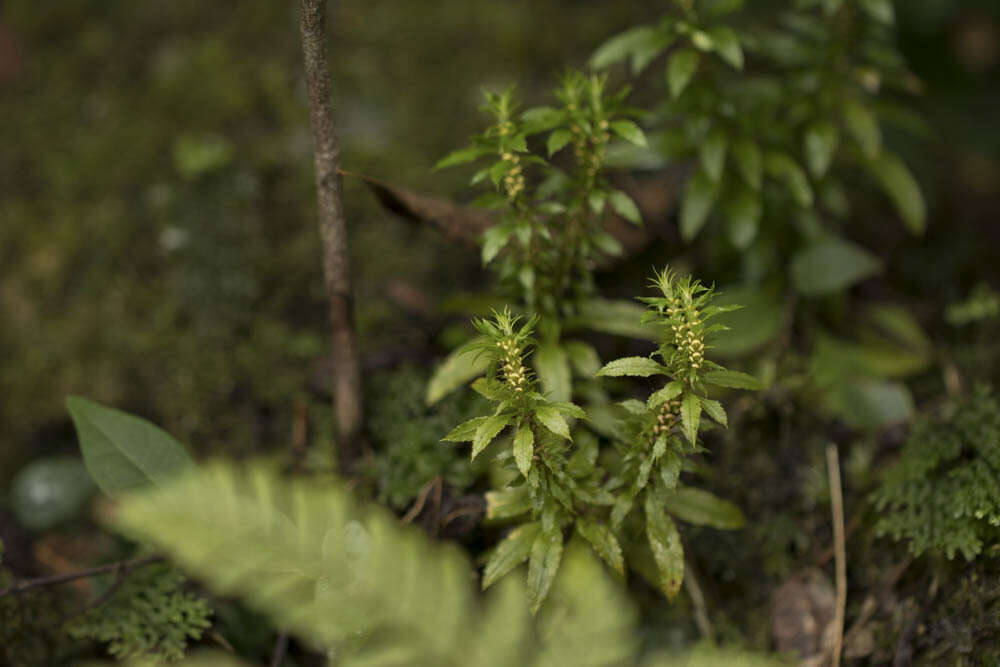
(750, 161)
(704, 509)
(782, 167)
(621, 318)
(583, 358)
(680, 70)
(830, 265)
(699, 198)
(557, 140)
(123, 452)
(632, 366)
(749, 327)
(743, 210)
(622, 45)
(727, 45)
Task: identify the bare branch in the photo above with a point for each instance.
(333, 233)
(119, 568)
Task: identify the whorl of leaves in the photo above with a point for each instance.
(944, 492)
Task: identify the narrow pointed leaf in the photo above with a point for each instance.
(661, 396)
(680, 70)
(546, 554)
(629, 131)
(749, 161)
(820, 143)
(603, 541)
(727, 45)
(715, 410)
(625, 207)
(898, 182)
(704, 509)
(863, 126)
(632, 366)
(552, 367)
(466, 431)
(733, 379)
(457, 368)
(524, 449)
(690, 416)
(699, 198)
(488, 430)
(665, 543)
(511, 552)
(713, 153)
(557, 140)
(553, 420)
(832, 264)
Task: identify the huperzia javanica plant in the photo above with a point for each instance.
(550, 233)
(610, 491)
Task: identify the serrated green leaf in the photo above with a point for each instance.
(632, 366)
(743, 211)
(691, 416)
(727, 45)
(629, 131)
(625, 207)
(704, 509)
(665, 543)
(715, 410)
(713, 153)
(552, 367)
(670, 391)
(507, 503)
(820, 144)
(863, 126)
(898, 182)
(553, 420)
(750, 161)
(557, 140)
(462, 365)
(546, 554)
(603, 541)
(699, 198)
(830, 265)
(122, 452)
(782, 167)
(511, 552)
(487, 430)
(680, 70)
(524, 449)
(466, 431)
(732, 379)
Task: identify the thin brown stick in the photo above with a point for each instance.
(333, 234)
(840, 548)
(119, 568)
(280, 649)
(698, 600)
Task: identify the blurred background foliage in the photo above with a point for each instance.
(158, 252)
